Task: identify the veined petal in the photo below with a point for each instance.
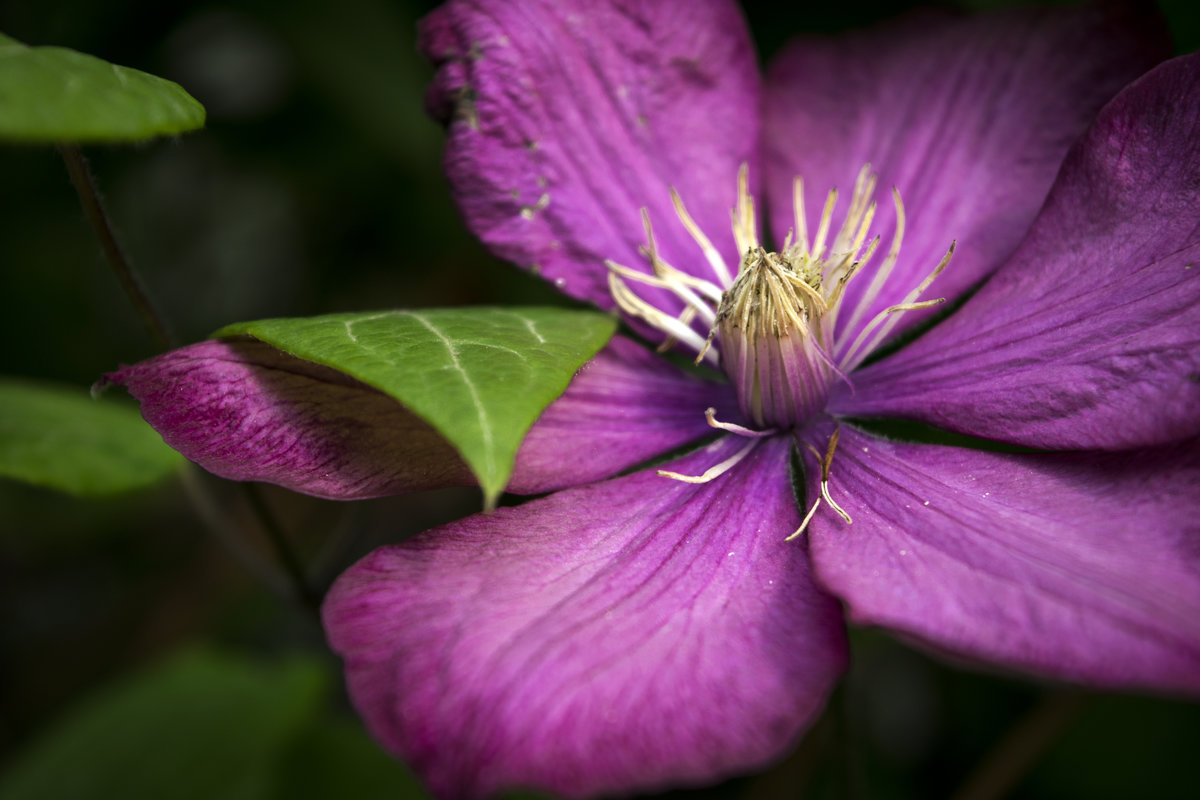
(1089, 337)
(569, 116)
(626, 635)
(247, 411)
(968, 117)
(627, 405)
(1084, 567)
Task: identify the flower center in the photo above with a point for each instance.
(771, 338)
(774, 329)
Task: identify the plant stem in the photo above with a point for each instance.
(1022, 747)
(287, 556)
(89, 198)
(199, 489)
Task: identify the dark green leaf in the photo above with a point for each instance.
(51, 94)
(200, 727)
(60, 438)
(336, 758)
(479, 376)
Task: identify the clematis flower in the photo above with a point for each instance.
(684, 621)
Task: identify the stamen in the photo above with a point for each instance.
(685, 318)
(833, 505)
(826, 465)
(864, 226)
(705, 288)
(716, 471)
(881, 275)
(745, 225)
(804, 524)
(724, 277)
(854, 356)
(711, 413)
(818, 246)
(635, 306)
(845, 277)
(860, 215)
(669, 274)
(708, 340)
(798, 210)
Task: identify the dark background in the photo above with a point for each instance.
(316, 187)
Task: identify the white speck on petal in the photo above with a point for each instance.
(529, 212)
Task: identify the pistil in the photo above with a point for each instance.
(772, 348)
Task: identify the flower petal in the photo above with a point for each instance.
(1089, 337)
(627, 405)
(968, 117)
(559, 136)
(1084, 567)
(247, 411)
(619, 636)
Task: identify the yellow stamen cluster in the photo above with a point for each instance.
(774, 329)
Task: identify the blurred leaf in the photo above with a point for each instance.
(480, 376)
(201, 726)
(60, 438)
(338, 759)
(51, 94)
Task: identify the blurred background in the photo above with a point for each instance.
(316, 187)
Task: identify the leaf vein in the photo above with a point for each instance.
(532, 326)
(494, 346)
(485, 428)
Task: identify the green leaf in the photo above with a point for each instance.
(479, 376)
(199, 727)
(51, 94)
(60, 438)
(336, 758)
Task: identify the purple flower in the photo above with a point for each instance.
(667, 626)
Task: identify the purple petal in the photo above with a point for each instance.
(1089, 337)
(620, 636)
(568, 117)
(627, 405)
(969, 117)
(247, 411)
(1084, 567)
